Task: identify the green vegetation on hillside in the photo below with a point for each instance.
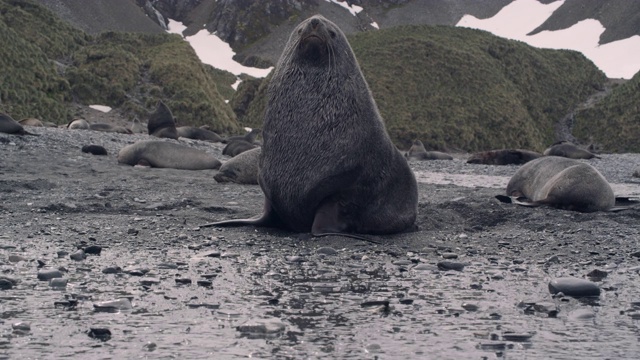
(614, 122)
(468, 89)
(47, 64)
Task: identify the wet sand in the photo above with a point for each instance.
(238, 292)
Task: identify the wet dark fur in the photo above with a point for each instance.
(569, 150)
(9, 126)
(327, 163)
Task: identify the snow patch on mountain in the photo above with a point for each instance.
(353, 9)
(617, 59)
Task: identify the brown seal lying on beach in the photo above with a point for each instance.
(503, 157)
(568, 150)
(417, 151)
(165, 154)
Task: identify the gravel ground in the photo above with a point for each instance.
(473, 282)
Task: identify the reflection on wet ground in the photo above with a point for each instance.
(260, 299)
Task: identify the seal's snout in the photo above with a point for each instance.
(314, 23)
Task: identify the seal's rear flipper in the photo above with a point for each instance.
(269, 218)
(625, 203)
(521, 200)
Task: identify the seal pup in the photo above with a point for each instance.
(328, 165)
(503, 157)
(137, 127)
(242, 169)
(161, 123)
(164, 154)
(94, 149)
(195, 133)
(417, 151)
(563, 183)
(109, 128)
(80, 124)
(236, 147)
(569, 150)
(249, 137)
(31, 122)
(9, 126)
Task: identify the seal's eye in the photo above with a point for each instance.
(332, 33)
(299, 31)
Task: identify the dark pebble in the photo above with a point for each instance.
(205, 283)
(636, 254)
(597, 275)
(510, 336)
(62, 253)
(103, 334)
(93, 250)
(573, 287)
(450, 265)
(327, 251)
(384, 303)
(183, 281)
(58, 283)
(48, 274)
(450, 256)
(5, 284)
(203, 305)
(112, 270)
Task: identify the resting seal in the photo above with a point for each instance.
(236, 147)
(503, 157)
(31, 122)
(195, 133)
(563, 183)
(9, 126)
(249, 137)
(568, 150)
(80, 124)
(164, 154)
(94, 149)
(328, 164)
(161, 123)
(110, 128)
(418, 152)
(242, 169)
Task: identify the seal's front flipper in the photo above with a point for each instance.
(519, 200)
(327, 218)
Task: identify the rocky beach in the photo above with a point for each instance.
(102, 260)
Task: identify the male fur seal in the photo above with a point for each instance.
(236, 147)
(197, 133)
(242, 169)
(164, 154)
(564, 183)
(503, 157)
(568, 150)
(9, 126)
(327, 163)
(418, 152)
(161, 123)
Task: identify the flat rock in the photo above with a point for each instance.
(574, 287)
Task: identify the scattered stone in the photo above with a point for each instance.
(78, 255)
(425, 267)
(183, 281)
(112, 270)
(136, 271)
(384, 303)
(5, 284)
(553, 260)
(582, 314)
(574, 287)
(147, 281)
(636, 254)
(70, 304)
(470, 307)
(58, 283)
(262, 328)
(150, 346)
(93, 250)
(327, 251)
(204, 305)
(48, 274)
(518, 337)
(451, 265)
(21, 327)
(113, 305)
(16, 258)
(62, 254)
(597, 275)
(205, 283)
(94, 149)
(103, 334)
(449, 255)
(167, 266)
